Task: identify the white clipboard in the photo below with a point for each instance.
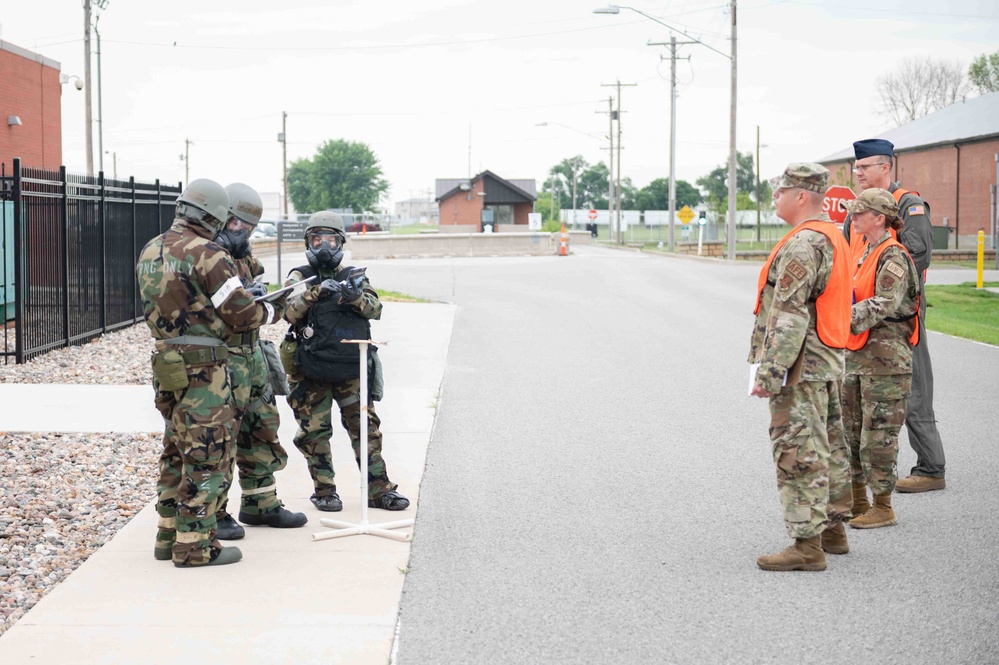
(274, 295)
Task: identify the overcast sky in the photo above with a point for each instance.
(413, 79)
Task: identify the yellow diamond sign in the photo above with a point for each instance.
(685, 214)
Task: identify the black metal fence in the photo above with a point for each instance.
(75, 243)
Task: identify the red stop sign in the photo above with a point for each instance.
(592, 214)
(834, 196)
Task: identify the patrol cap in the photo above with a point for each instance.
(873, 148)
(803, 175)
(879, 201)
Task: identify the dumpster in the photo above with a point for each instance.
(941, 237)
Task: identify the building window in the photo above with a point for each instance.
(503, 214)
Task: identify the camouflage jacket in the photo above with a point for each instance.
(190, 286)
(784, 336)
(249, 268)
(367, 304)
(896, 293)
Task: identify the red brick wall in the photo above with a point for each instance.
(30, 90)
(520, 211)
(978, 171)
(463, 207)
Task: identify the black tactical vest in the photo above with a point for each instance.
(322, 356)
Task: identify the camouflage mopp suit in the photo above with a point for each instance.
(193, 300)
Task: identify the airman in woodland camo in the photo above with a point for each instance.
(326, 371)
(802, 324)
(193, 300)
(879, 355)
(258, 452)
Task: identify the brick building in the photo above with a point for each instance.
(949, 157)
(30, 109)
(466, 205)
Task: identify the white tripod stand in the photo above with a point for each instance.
(348, 528)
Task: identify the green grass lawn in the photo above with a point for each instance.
(964, 311)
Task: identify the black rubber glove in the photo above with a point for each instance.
(257, 289)
(351, 289)
(331, 288)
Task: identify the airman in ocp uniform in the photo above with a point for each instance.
(802, 325)
(884, 328)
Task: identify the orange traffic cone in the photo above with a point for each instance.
(564, 249)
(364, 229)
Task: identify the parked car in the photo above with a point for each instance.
(264, 231)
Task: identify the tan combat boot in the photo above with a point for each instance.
(860, 503)
(880, 514)
(920, 484)
(804, 554)
(834, 539)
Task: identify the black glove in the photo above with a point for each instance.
(257, 289)
(351, 289)
(331, 288)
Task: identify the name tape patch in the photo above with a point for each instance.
(895, 269)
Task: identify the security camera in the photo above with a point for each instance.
(79, 84)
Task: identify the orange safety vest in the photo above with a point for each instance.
(858, 243)
(863, 288)
(832, 307)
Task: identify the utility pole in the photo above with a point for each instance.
(187, 160)
(88, 112)
(284, 158)
(672, 134)
(610, 169)
(617, 84)
(731, 149)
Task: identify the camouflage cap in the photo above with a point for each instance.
(803, 175)
(879, 201)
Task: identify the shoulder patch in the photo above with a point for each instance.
(796, 270)
(886, 283)
(895, 269)
(917, 210)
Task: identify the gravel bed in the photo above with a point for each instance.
(62, 497)
(120, 357)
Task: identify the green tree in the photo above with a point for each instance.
(591, 183)
(342, 174)
(543, 204)
(655, 195)
(715, 184)
(984, 73)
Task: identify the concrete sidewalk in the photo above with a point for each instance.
(290, 600)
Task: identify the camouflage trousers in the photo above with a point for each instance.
(810, 453)
(197, 440)
(257, 451)
(312, 402)
(873, 413)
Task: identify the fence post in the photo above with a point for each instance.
(65, 251)
(102, 220)
(19, 331)
(135, 256)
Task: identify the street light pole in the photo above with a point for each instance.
(616, 9)
(731, 151)
(284, 158)
(100, 106)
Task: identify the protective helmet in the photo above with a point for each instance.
(324, 239)
(206, 201)
(246, 206)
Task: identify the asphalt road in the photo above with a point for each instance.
(599, 485)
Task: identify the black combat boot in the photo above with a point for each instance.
(228, 529)
(330, 503)
(389, 501)
(279, 518)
